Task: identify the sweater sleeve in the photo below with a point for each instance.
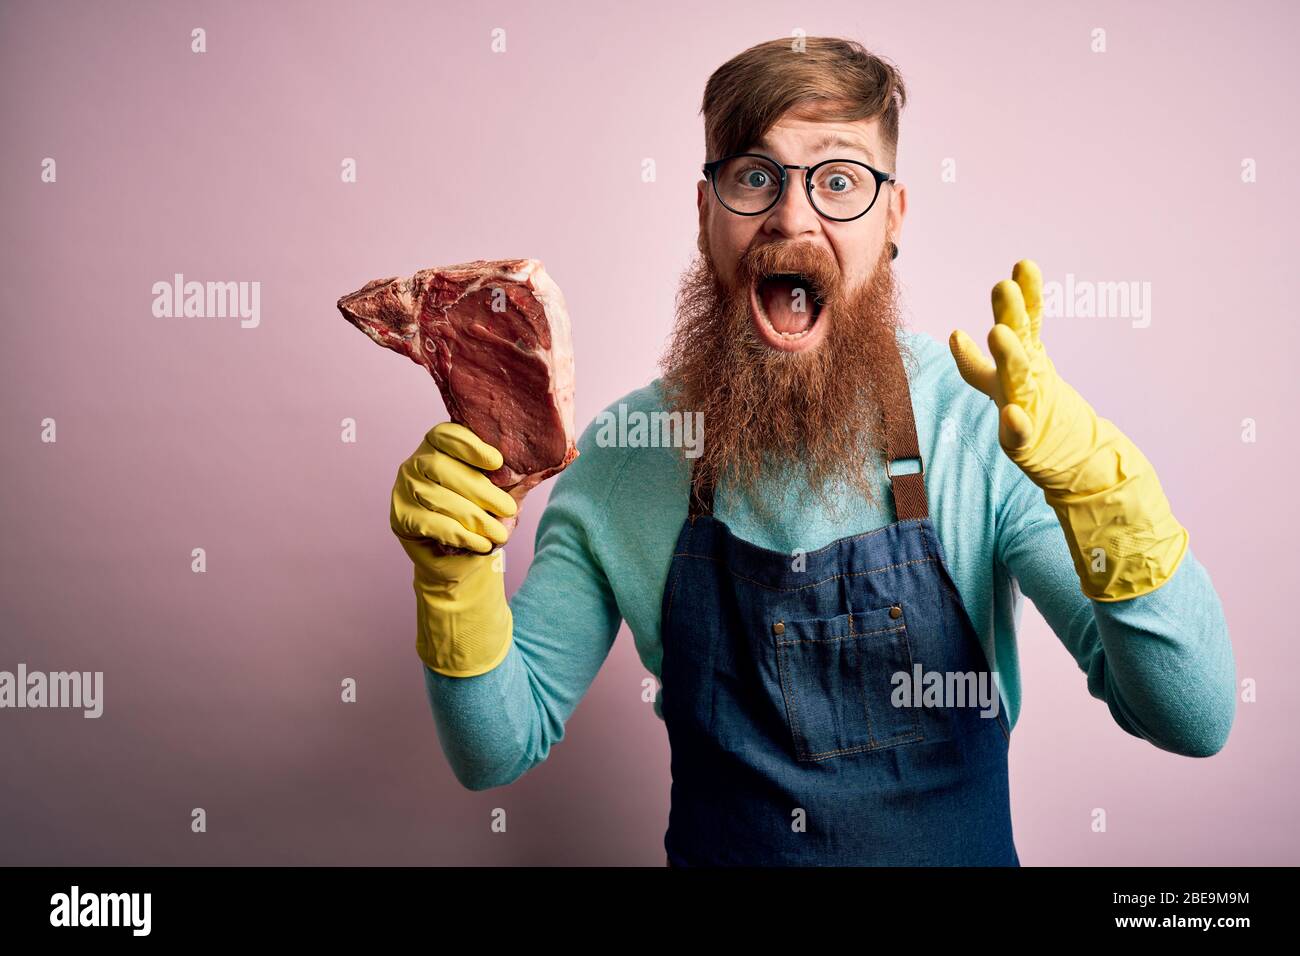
(1162, 661)
(496, 726)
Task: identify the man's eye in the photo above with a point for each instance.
(840, 182)
(755, 178)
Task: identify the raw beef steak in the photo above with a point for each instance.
(495, 336)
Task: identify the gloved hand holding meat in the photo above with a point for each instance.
(495, 337)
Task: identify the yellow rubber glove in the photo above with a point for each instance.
(442, 498)
(1117, 521)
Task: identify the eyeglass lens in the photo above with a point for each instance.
(841, 190)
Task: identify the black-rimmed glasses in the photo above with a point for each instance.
(839, 189)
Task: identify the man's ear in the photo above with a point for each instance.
(897, 210)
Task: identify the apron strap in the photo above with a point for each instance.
(910, 501)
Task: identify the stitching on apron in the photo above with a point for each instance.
(852, 633)
(916, 718)
(833, 577)
(663, 624)
(866, 534)
(800, 742)
(902, 525)
(912, 738)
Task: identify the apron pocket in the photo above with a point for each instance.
(837, 680)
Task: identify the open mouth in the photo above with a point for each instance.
(787, 309)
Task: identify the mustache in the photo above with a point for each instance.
(814, 264)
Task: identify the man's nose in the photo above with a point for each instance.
(794, 214)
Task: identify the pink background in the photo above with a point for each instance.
(222, 689)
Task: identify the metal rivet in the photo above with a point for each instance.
(895, 611)
(778, 627)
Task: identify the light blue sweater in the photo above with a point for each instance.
(1162, 661)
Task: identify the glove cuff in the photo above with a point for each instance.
(463, 623)
(1124, 539)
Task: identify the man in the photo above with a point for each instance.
(828, 590)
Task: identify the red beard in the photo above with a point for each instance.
(810, 417)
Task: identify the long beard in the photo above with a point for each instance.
(812, 417)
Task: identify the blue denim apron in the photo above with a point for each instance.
(777, 679)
